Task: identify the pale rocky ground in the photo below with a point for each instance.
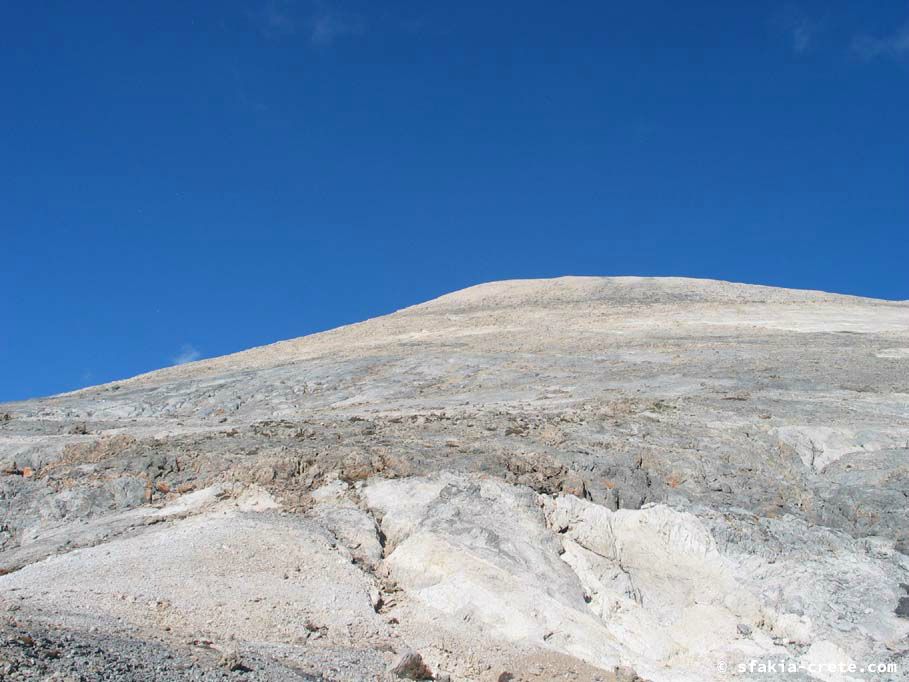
(571, 479)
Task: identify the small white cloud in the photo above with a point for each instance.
(279, 19)
(801, 35)
(893, 46)
(328, 27)
(275, 20)
(799, 29)
(187, 354)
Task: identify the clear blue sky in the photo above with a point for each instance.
(192, 179)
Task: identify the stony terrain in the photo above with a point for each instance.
(570, 479)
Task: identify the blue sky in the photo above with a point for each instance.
(184, 180)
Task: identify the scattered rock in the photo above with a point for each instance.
(626, 674)
(574, 485)
(231, 661)
(902, 609)
(409, 665)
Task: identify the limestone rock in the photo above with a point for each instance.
(587, 477)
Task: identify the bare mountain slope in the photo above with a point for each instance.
(670, 476)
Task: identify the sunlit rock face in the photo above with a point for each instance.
(601, 477)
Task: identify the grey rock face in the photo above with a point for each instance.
(582, 474)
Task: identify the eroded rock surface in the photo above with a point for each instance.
(599, 477)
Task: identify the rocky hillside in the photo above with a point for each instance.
(579, 478)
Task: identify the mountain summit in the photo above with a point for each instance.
(604, 476)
